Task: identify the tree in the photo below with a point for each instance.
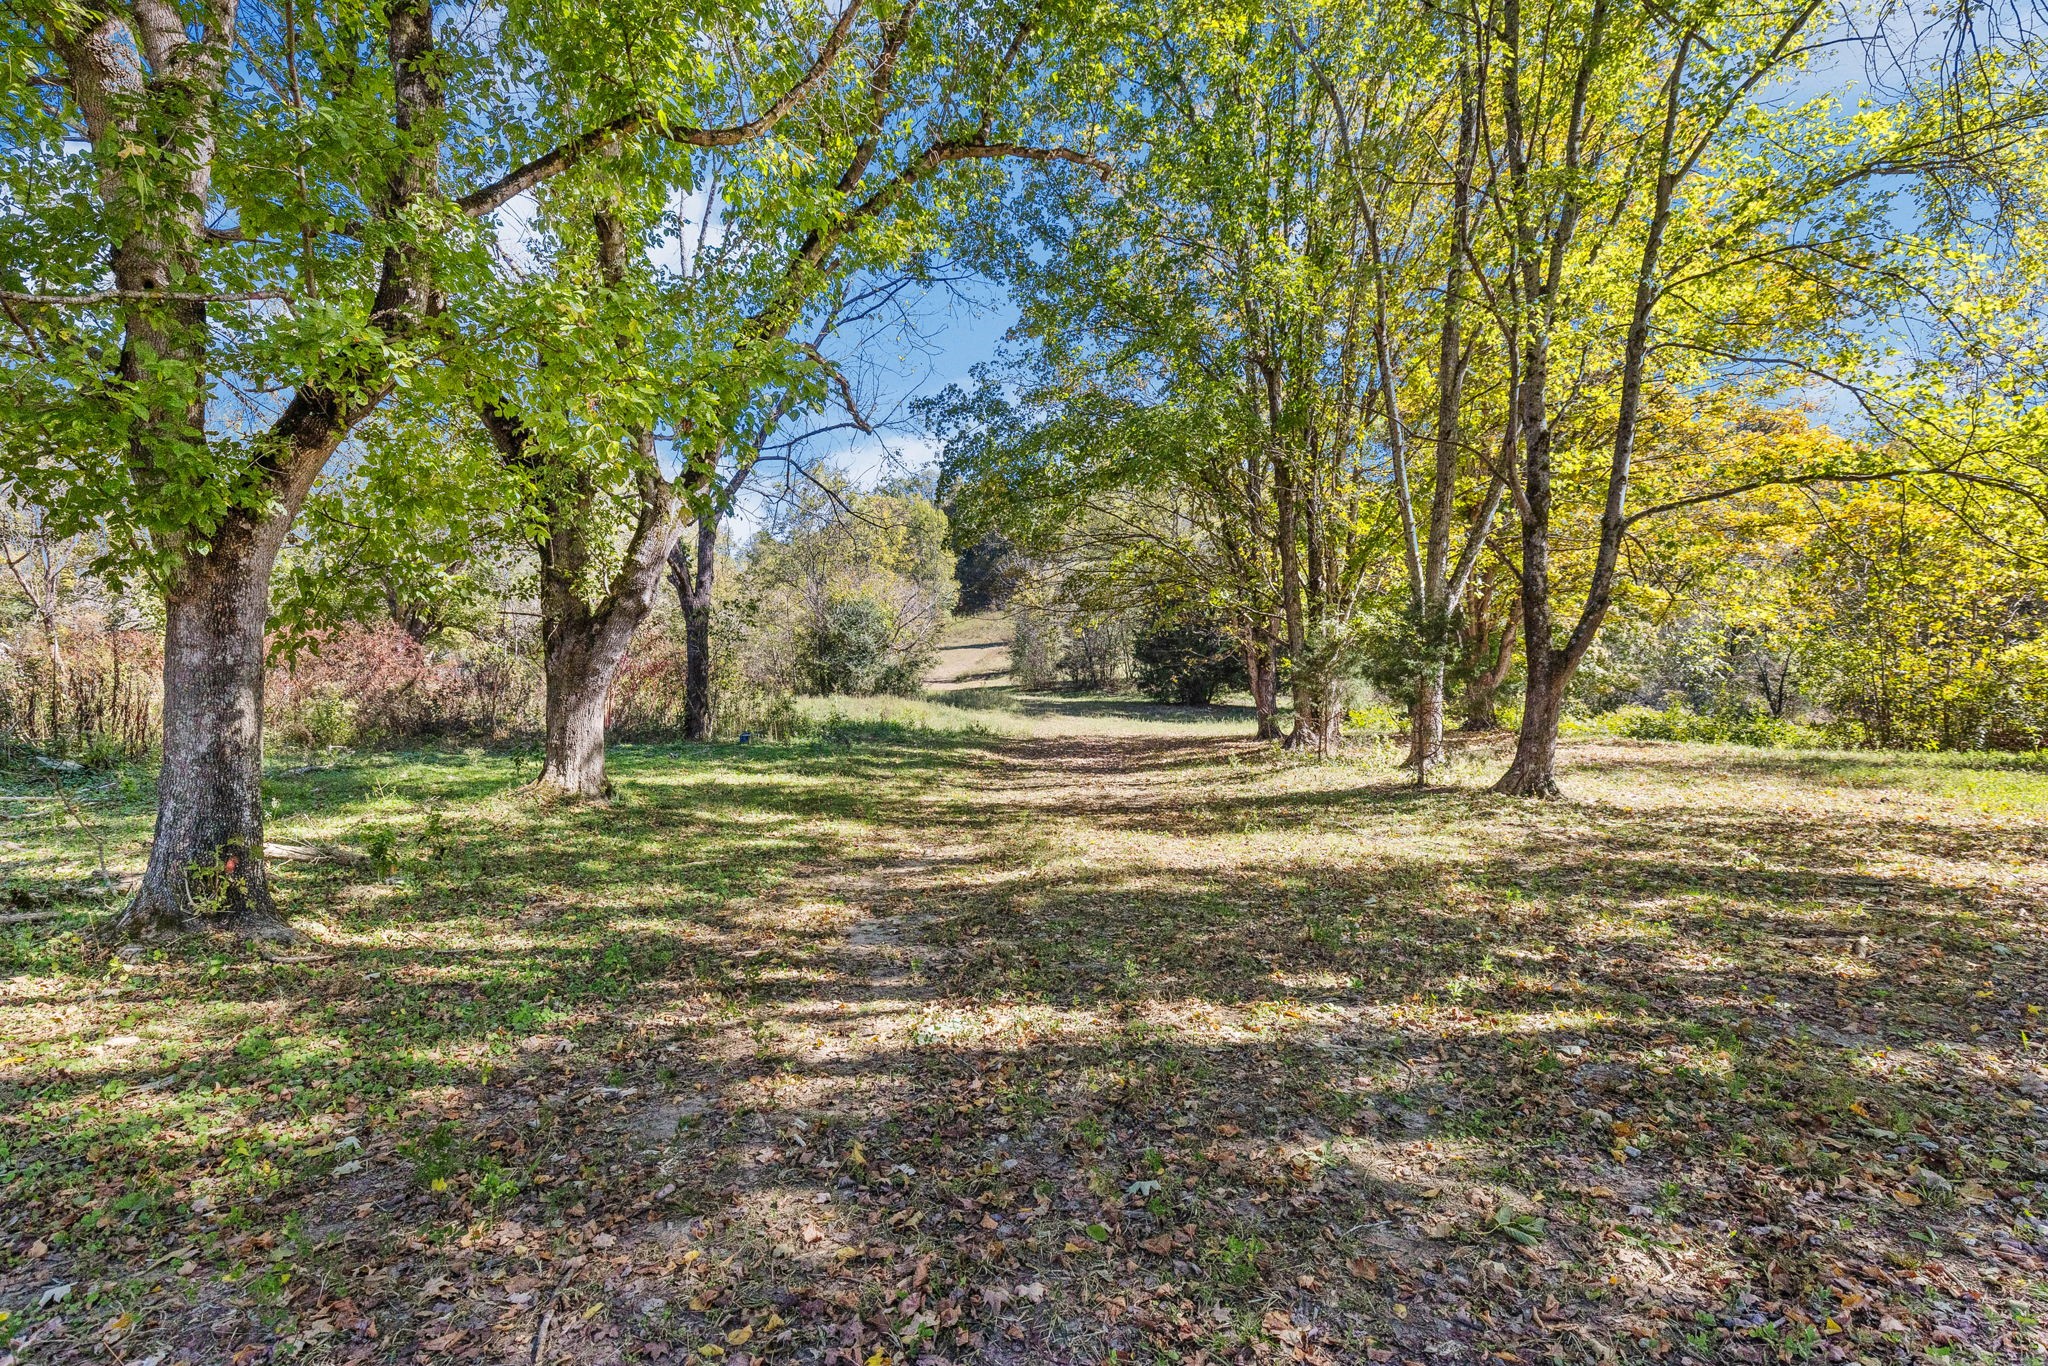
(252, 253)
(1202, 391)
(851, 190)
(1411, 225)
(855, 587)
(1677, 230)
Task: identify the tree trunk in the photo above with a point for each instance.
(583, 646)
(1318, 725)
(1263, 666)
(1481, 711)
(1481, 707)
(693, 594)
(579, 673)
(1426, 729)
(206, 868)
(55, 652)
(1534, 771)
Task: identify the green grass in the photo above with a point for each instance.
(1045, 1028)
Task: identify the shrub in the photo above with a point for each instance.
(1731, 728)
(1094, 653)
(1187, 660)
(323, 719)
(377, 683)
(848, 650)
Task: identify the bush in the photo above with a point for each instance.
(848, 650)
(323, 719)
(1094, 653)
(378, 684)
(1188, 660)
(1731, 728)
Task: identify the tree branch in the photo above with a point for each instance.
(1785, 481)
(552, 163)
(108, 296)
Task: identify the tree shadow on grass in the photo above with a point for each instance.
(1345, 1072)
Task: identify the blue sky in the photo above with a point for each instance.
(951, 331)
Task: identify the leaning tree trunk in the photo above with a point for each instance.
(206, 869)
(582, 649)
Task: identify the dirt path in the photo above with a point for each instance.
(974, 652)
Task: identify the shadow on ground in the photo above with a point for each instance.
(1069, 1049)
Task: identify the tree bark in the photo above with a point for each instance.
(206, 868)
(693, 594)
(1481, 711)
(1426, 724)
(1534, 771)
(583, 645)
(582, 649)
(579, 671)
(1263, 666)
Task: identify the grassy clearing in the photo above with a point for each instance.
(1034, 1029)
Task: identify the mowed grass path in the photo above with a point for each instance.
(1083, 1036)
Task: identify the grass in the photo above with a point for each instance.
(1047, 1029)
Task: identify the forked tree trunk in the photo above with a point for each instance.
(1482, 693)
(206, 869)
(582, 653)
(693, 595)
(584, 645)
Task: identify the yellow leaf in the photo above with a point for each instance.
(1906, 1198)
(740, 1336)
